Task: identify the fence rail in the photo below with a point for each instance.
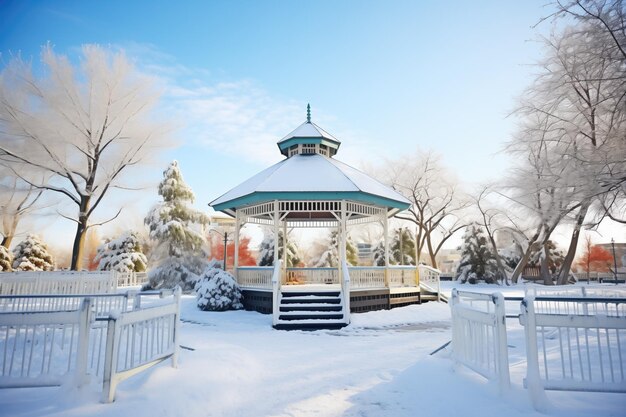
(479, 338)
(574, 343)
(255, 277)
(41, 347)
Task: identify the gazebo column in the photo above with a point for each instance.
(386, 240)
(276, 230)
(342, 241)
(285, 254)
(236, 256)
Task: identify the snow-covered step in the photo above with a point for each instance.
(311, 307)
(312, 299)
(310, 315)
(311, 324)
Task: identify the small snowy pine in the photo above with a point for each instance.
(408, 248)
(122, 254)
(217, 290)
(179, 252)
(478, 262)
(330, 257)
(32, 255)
(266, 251)
(6, 259)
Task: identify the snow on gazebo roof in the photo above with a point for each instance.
(309, 129)
(310, 177)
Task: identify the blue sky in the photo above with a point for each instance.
(383, 77)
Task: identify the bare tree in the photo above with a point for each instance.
(436, 200)
(15, 203)
(83, 126)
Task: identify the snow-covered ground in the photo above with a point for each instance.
(378, 366)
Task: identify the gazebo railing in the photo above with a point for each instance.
(311, 276)
(367, 277)
(255, 276)
(402, 276)
(361, 277)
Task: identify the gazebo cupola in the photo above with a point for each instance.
(308, 138)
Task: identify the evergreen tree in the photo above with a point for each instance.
(179, 251)
(122, 254)
(408, 248)
(266, 251)
(6, 259)
(379, 255)
(330, 257)
(32, 255)
(478, 262)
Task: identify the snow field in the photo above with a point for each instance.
(377, 366)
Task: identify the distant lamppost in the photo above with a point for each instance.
(225, 236)
(614, 260)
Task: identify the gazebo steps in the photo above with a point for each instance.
(310, 310)
(311, 307)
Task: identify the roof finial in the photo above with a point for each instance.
(308, 113)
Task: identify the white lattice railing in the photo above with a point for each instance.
(429, 279)
(574, 343)
(101, 304)
(367, 277)
(311, 276)
(479, 334)
(255, 277)
(402, 276)
(131, 279)
(57, 282)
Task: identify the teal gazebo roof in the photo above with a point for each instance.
(309, 173)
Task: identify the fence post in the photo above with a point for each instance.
(502, 345)
(177, 293)
(454, 300)
(533, 379)
(110, 361)
(82, 350)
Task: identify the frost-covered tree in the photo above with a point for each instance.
(122, 254)
(478, 262)
(266, 251)
(179, 254)
(77, 130)
(17, 200)
(330, 257)
(31, 254)
(217, 290)
(437, 203)
(379, 255)
(6, 260)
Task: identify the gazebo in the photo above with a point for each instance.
(312, 189)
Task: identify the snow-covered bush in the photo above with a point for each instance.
(32, 255)
(122, 254)
(6, 259)
(217, 290)
(179, 254)
(478, 262)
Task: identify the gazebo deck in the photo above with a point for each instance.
(371, 288)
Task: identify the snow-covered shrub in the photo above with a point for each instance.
(6, 259)
(179, 254)
(330, 257)
(32, 255)
(478, 262)
(217, 290)
(122, 254)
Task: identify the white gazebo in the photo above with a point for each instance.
(309, 189)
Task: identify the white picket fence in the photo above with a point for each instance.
(68, 282)
(574, 344)
(479, 334)
(44, 348)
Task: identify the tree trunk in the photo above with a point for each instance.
(571, 252)
(10, 233)
(6, 241)
(433, 261)
(81, 233)
(545, 269)
(524, 261)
